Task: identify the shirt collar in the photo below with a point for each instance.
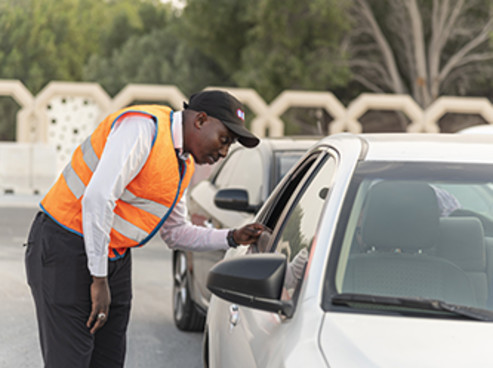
(177, 132)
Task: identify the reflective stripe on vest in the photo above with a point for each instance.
(128, 229)
(117, 253)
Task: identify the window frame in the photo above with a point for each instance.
(286, 197)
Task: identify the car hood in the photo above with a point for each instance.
(358, 340)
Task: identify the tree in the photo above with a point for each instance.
(131, 18)
(218, 30)
(42, 40)
(424, 48)
(45, 40)
(157, 57)
(271, 45)
(294, 45)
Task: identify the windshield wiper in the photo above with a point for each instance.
(413, 303)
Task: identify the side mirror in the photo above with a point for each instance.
(254, 281)
(234, 199)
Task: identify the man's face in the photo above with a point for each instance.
(211, 140)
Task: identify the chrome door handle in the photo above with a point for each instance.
(234, 316)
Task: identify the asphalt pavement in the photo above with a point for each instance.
(153, 339)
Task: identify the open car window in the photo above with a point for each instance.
(294, 220)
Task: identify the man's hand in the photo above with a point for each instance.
(248, 233)
(101, 299)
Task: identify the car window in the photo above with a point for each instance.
(293, 235)
(298, 228)
(243, 170)
(277, 201)
(472, 197)
(284, 161)
(416, 230)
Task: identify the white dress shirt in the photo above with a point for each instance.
(127, 148)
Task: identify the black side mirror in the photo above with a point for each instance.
(234, 199)
(254, 281)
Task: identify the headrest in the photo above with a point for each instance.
(400, 215)
(461, 241)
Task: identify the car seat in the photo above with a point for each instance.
(400, 225)
(462, 242)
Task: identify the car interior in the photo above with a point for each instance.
(407, 240)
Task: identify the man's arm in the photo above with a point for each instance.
(179, 233)
(126, 151)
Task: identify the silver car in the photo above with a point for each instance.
(378, 252)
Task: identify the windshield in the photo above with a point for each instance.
(417, 230)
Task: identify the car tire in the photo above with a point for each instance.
(186, 315)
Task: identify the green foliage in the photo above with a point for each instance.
(294, 45)
(131, 19)
(155, 58)
(218, 29)
(49, 40)
(271, 45)
(43, 41)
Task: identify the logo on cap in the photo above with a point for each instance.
(241, 114)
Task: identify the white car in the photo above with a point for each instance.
(380, 254)
(247, 174)
(477, 129)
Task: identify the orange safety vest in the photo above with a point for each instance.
(146, 201)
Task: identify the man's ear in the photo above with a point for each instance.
(200, 119)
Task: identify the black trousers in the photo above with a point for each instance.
(56, 268)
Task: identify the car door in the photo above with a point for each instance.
(253, 338)
(236, 172)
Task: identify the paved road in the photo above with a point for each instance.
(153, 339)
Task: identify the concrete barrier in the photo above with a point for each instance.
(43, 167)
(26, 168)
(63, 114)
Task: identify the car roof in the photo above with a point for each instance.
(288, 143)
(417, 146)
(477, 129)
(268, 145)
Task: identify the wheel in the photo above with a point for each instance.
(186, 315)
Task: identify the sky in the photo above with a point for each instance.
(176, 3)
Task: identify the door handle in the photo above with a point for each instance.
(208, 224)
(234, 316)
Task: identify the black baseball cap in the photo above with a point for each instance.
(225, 107)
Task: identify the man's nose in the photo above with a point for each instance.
(224, 151)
